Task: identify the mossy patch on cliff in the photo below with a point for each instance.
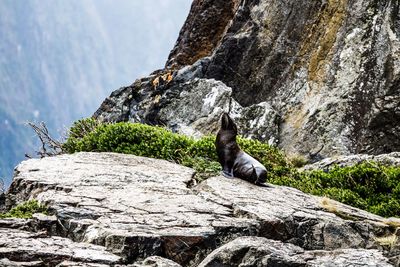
(25, 210)
(367, 186)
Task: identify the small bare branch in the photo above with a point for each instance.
(49, 145)
(2, 186)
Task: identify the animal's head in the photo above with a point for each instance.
(227, 123)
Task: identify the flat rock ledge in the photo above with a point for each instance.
(27, 247)
(135, 211)
(391, 159)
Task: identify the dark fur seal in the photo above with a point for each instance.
(235, 162)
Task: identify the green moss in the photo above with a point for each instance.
(129, 138)
(205, 168)
(367, 186)
(25, 210)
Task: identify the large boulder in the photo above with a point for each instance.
(140, 207)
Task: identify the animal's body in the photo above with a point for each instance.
(234, 161)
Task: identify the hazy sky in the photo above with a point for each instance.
(145, 29)
(60, 59)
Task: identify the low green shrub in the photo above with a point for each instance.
(157, 142)
(367, 186)
(130, 138)
(25, 210)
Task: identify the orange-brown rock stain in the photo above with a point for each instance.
(315, 54)
(320, 38)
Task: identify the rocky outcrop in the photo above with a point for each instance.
(138, 207)
(262, 252)
(189, 105)
(318, 78)
(18, 246)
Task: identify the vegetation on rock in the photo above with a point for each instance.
(157, 142)
(368, 186)
(25, 210)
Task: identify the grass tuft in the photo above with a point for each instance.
(387, 241)
(328, 205)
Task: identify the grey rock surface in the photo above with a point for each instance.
(15, 223)
(155, 261)
(208, 29)
(287, 214)
(23, 248)
(391, 159)
(262, 252)
(4, 262)
(199, 104)
(140, 207)
(81, 264)
(325, 73)
(39, 223)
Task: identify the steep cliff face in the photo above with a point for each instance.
(328, 71)
(330, 68)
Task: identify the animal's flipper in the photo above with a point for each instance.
(263, 184)
(227, 174)
(258, 179)
(254, 176)
(225, 121)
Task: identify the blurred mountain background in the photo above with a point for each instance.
(60, 59)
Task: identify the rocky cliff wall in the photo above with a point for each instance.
(199, 37)
(330, 68)
(317, 78)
